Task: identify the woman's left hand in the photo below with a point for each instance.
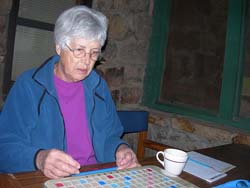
(126, 158)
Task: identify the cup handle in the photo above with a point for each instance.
(158, 159)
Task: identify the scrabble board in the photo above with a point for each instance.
(145, 176)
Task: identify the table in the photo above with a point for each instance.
(235, 154)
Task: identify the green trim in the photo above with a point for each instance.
(204, 115)
(232, 70)
(156, 51)
(231, 60)
(240, 77)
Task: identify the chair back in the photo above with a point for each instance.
(134, 121)
(137, 122)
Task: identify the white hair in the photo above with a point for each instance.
(80, 22)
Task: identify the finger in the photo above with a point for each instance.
(65, 158)
(61, 168)
(66, 167)
(131, 164)
(70, 161)
(119, 156)
(125, 161)
(61, 164)
(130, 161)
(57, 170)
(123, 154)
(50, 174)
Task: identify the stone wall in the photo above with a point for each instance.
(124, 70)
(126, 50)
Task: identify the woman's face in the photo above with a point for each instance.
(73, 67)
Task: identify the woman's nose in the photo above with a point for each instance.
(86, 59)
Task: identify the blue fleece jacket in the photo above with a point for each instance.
(31, 119)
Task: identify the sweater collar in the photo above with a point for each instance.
(44, 75)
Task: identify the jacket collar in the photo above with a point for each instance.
(44, 75)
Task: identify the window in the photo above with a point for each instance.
(196, 59)
(194, 54)
(30, 35)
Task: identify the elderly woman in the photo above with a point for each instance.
(61, 115)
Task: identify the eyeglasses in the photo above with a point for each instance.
(94, 54)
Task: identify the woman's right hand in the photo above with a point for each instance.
(56, 163)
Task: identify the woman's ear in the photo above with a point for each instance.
(58, 49)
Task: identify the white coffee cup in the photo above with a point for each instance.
(174, 161)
